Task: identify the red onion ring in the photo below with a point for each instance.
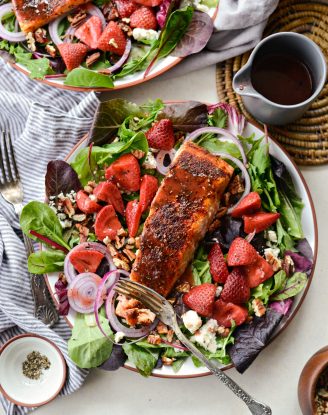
(118, 326)
(244, 173)
(121, 61)
(219, 131)
(250, 236)
(69, 270)
(160, 160)
(95, 11)
(4, 33)
(82, 291)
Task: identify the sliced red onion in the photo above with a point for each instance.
(250, 236)
(121, 61)
(4, 33)
(82, 292)
(118, 326)
(236, 121)
(244, 173)
(53, 30)
(219, 131)
(70, 271)
(161, 165)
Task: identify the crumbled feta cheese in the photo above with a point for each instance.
(206, 336)
(79, 217)
(191, 320)
(218, 291)
(144, 34)
(61, 216)
(93, 197)
(61, 196)
(150, 162)
(119, 336)
(271, 236)
(66, 223)
(106, 240)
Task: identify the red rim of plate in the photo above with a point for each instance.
(304, 293)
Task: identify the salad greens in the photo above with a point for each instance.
(201, 267)
(42, 262)
(88, 78)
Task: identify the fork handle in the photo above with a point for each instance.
(255, 407)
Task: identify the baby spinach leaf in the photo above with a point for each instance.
(196, 37)
(38, 67)
(45, 261)
(60, 177)
(88, 347)
(89, 79)
(37, 216)
(144, 359)
(294, 285)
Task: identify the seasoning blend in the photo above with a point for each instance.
(321, 394)
(34, 364)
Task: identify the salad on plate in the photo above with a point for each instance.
(102, 44)
(174, 196)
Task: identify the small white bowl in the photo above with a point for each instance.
(19, 389)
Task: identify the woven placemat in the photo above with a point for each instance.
(307, 139)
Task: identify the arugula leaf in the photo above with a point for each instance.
(89, 79)
(45, 261)
(87, 346)
(293, 286)
(201, 267)
(144, 359)
(39, 217)
(38, 67)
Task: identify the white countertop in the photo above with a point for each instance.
(272, 378)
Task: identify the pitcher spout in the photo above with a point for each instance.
(242, 84)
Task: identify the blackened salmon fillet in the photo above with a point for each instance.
(32, 14)
(180, 214)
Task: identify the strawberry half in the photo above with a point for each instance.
(125, 171)
(73, 54)
(107, 223)
(85, 204)
(125, 8)
(225, 312)
(108, 192)
(148, 189)
(90, 32)
(236, 289)
(201, 299)
(249, 204)
(218, 266)
(150, 3)
(86, 260)
(260, 221)
(112, 39)
(241, 252)
(258, 272)
(143, 18)
(161, 135)
(132, 216)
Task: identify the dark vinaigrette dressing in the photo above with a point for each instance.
(282, 79)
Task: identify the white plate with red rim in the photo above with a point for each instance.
(309, 223)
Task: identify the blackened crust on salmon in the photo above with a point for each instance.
(180, 215)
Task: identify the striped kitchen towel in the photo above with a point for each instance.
(44, 123)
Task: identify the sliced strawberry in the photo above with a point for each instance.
(143, 18)
(161, 135)
(107, 223)
(241, 252)
(85, 204)
(73, 54)
(258, 272)
(148, 189)
(125, 8)
(150, 3)
(86, 260)
(250, 204)
(236, 289)
(201, 299)
(224, 313)
(125, 171)
(260, 221)
(90, 32)
(132, 216)
(218, 266)
(112, 39)
(108, 192)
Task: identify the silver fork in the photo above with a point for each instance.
(165, 312)
(12, 191)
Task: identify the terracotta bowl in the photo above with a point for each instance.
(309, 378)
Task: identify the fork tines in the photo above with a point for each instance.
(8, 168)
(146, 296)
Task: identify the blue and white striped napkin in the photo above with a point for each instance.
(44, 123)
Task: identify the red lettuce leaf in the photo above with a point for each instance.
(61, 177)
(186, 116)
(251, 338)
(116, 359)
(282, 306)
(61, 292)
(301, 263)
